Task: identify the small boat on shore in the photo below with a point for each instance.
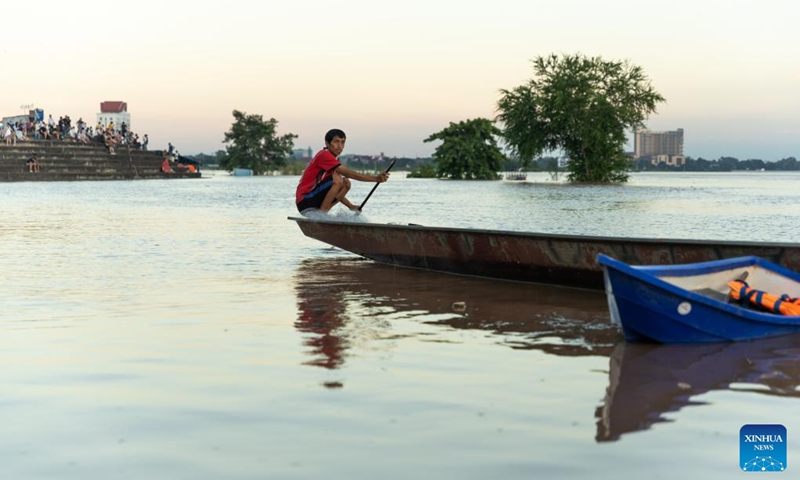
(242, 172)
(693, 303)
(568, 260)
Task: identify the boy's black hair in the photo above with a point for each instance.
(334, 132)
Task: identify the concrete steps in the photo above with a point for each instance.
(65, 161)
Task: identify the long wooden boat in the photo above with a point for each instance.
(689, 303)
(529, 257)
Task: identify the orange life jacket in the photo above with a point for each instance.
(783, 304)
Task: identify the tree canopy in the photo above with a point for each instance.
(254, 143)
(468, 151)
(583, 106)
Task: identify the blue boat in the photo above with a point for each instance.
(690, 303)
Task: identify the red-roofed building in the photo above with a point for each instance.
(113, 107)
(114, 111)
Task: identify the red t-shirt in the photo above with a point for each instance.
(319, 168)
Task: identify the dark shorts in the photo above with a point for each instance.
(316, 197)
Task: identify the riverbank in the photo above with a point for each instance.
(62, 161)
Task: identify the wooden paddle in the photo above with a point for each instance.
(361, 207)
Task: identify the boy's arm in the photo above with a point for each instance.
(382, 177)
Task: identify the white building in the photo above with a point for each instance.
(116, 112)
(669, 160)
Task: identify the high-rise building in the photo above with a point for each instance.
(666, 147)
(648, 143)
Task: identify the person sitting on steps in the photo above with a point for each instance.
(33, 164)
(109, 142)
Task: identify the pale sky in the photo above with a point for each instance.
(390, 73)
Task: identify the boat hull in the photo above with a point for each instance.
(529, 257)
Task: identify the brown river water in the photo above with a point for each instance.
(188, 330)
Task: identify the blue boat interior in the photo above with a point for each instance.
(689, 302)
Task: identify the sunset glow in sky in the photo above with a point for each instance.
(390, 73)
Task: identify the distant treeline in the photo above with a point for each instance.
(722, 164)
(426, 163)
(547, 164)
(360, 162)
(295, 167)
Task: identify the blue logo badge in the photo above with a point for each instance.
(762, 448)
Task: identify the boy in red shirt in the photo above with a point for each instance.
(325, 181)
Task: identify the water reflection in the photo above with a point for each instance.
(321, 314)
(344, 302)
(647, 381)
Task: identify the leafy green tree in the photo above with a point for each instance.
(468, 151)
(583, 106)
(253, 143)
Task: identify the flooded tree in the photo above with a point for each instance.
(468, 151)
(583, 106)
(254, 143)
